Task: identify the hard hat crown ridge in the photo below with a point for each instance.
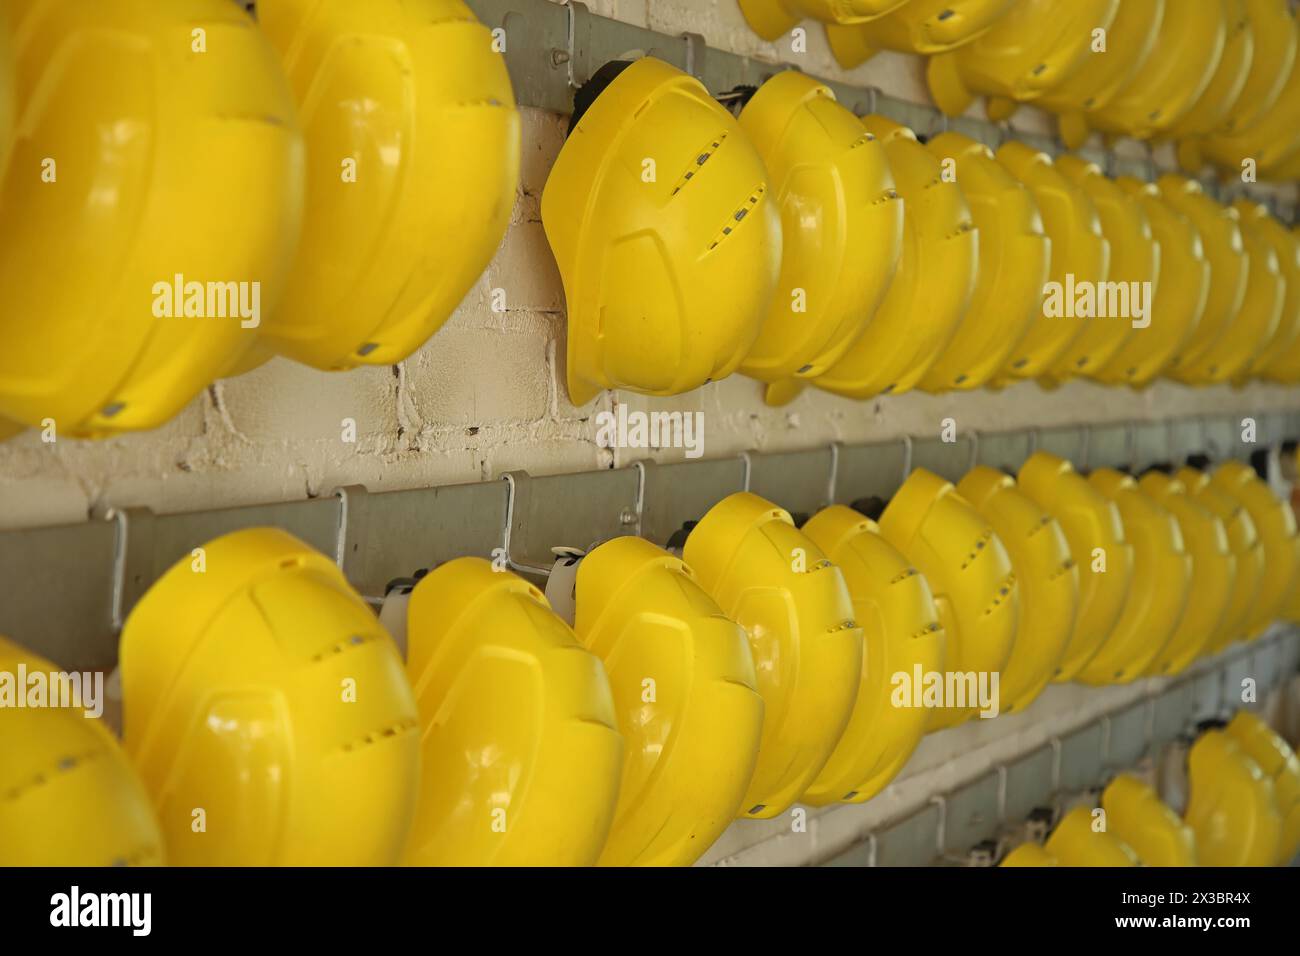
(666, 235)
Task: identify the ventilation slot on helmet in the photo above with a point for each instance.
(383, 733)
(701, 158)
(43, 778)
(738, 216)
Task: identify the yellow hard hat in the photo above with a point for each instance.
(1269, 142)
(1093, 528)
(9, 429)
(129, 313)
(918, 26)
(1075, 842)
(1221, 239)
(1273, 25)
(519, 745)
(1046, 577)
(1182, 285)
(1276, 524)
(1219, 98)
(1188, 47)
(1279, 763)
(1247, 550)
(1013, 259)
(1258, 223)
(1230, 806)
(666, 236)
(8, 80)
(413, 146)
(841, 223)
(70, 796)
(1104, 72)
(772, 18)
(936, 276)
(1214, 570)
(685, 696)
(267, 711)
(1258, 58)
(893, 604)
(1284, 364)
(1078, 250)
(778, 585)
(970, 572)
(1132, 272)
(1028, 854)
(1161, 577)
(1140, 819)
(1032, 48)
(1260, 315)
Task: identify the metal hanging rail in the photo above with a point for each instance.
(551, 49)
(65, 590)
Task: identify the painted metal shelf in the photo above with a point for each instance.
(66, 590)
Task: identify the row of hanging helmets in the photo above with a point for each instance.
(1234, 800)
(185, 192)
(801, 245)
(656, 696)
(332, 202)
(1219, 78)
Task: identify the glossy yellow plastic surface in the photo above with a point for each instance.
(1074, 842)
(259, 687)
(841, 224)
(1129, 42)
(893, 604)
(1046, 577)
(1198, 361)
(1181, 291)
(68, 795)
(198, 183)
(919, 26)
(413, 94)
(1214, 570)
(8, 103)
(1078, 249)
(1093, 528)
(520, 753)
(1260, 315)
(1275, 358)
(1273, 25)
(667, 281)
(1280, 764)
(1142, 821)
(1161, 577)
(1258, 224)
(772, 580)
(772, 18)
(933, 286)
(1032, 48)
(1134, 266)
(1283, 365)
(969, 571)
(1276, 524)
(1230, 806)
(1270, 142)
(1028, 854)
(1217, 102)
(1247, 550)
(1013, 260)
(1188, 48)
(685, 695)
